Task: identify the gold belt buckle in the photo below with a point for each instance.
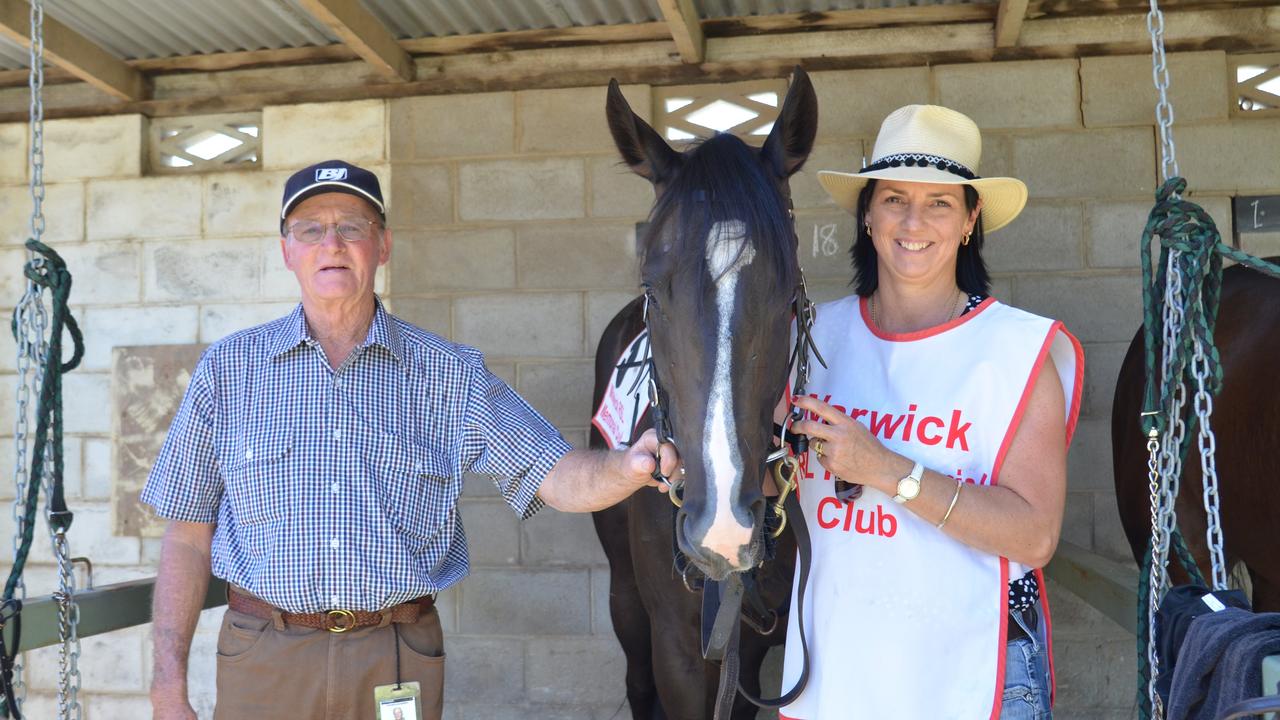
(336, 615)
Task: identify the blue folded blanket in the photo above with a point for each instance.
(1220, 662)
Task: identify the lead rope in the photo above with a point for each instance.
(1188, 279)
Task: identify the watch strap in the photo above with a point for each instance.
(917, 472)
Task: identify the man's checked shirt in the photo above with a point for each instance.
(339, 489)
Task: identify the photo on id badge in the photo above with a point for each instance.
(397, 702)
(398, 710)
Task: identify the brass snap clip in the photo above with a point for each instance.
(784, 477)
(336, 617)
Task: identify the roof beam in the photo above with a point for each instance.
(364, 34)
(1247, 29)
(686, 29)
(1009, 22)
(847, 19)
(74, 52)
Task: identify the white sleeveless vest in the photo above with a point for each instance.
(902, 620)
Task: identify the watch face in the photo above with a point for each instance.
(909, 488)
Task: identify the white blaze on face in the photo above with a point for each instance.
(727, 253)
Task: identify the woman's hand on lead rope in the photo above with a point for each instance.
(846, 449)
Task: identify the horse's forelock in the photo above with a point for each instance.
(723, 179)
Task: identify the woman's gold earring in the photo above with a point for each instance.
(868, 227)
(965, 240)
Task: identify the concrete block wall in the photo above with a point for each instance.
(156, 261)
(513, 231)
(1081, 134)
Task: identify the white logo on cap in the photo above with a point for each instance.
(331, 174)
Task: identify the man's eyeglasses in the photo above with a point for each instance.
(313, 232)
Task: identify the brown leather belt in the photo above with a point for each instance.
(336, 621)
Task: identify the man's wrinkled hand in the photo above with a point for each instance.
(638, 460)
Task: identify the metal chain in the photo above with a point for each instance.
(31, 318)
(1169, 463)
(69, 678)
(1164, 109)
(31, 324)
(29, 328)
(37, 120)
(1157, 569)
(1208, 464)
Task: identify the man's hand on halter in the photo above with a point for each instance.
(589, 480)
(639, 460)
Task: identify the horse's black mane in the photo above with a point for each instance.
(722, 178)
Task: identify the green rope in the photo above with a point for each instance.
(1186, 227)
(48, 273)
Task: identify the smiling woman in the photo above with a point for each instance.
(950, 535)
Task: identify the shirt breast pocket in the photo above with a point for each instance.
(257, 477)
(417, 488)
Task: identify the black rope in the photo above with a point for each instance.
(395, 630)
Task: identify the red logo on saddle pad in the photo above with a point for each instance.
(625, 399)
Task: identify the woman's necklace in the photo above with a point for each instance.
(956, 306)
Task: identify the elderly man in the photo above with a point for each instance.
(315, 464)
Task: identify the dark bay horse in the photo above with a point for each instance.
(1246, 422)
(720, 268)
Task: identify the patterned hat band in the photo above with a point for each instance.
(922, 160)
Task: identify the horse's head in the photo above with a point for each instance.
(720, 268)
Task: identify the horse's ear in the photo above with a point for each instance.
(642, 148)
(793, 133)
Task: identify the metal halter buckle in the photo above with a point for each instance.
(339, 627)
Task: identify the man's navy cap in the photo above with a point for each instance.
(331, 176)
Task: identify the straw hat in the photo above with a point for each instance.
(928, 143)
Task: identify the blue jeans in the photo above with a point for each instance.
(1026, 679)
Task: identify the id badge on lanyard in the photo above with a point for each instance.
(398, 702)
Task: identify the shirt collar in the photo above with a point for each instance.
(382, 331)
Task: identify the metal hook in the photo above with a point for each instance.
(785, 480)
(88, 569)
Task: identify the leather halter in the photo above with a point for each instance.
(722, 601)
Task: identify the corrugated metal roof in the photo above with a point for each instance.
(159, 28)
(415, 19)
(739, 8)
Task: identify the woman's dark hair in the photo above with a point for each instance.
(971, 271)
